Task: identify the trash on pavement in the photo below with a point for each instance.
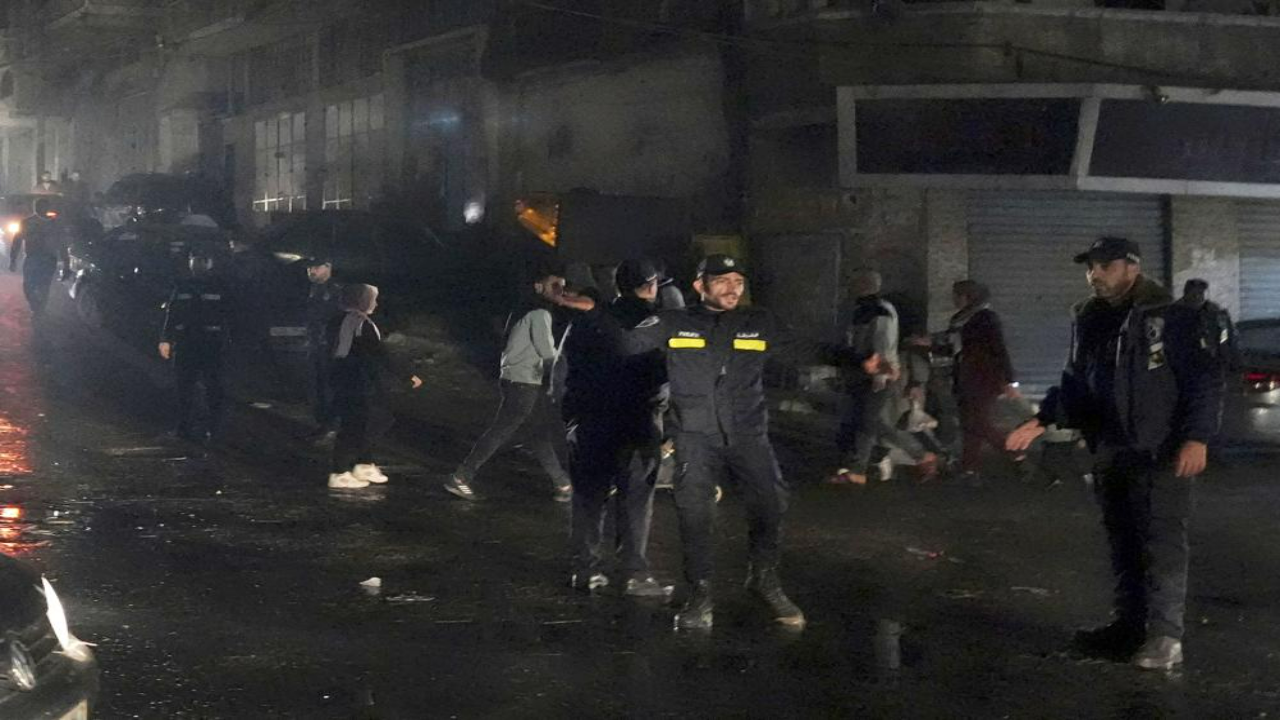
(409, 598)
(372, 586)
(923, 554)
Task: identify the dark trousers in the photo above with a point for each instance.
(362, 421)
(198, 368)
(864, 425)
(704, 461)
(322, 386)
(37, 276)
(605, 454)
(978, 429)
(1146, 511)
(521, 402)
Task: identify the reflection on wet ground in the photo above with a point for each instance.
(232, 584)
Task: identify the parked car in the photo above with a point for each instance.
(123, 278)
(151, 196)
(45, 672)
(1251, 413)
(412, 266)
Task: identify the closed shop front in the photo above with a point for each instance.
(1258, 227)
(1021, 245)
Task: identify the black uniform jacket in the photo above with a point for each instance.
(715, 365)
(198, 314)
(602, 378)
(1168, 388)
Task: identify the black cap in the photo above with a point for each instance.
(318, 261)
(1106, 249)
(632, 274)
(720, 265)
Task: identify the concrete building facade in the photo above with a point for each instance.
(995, 201)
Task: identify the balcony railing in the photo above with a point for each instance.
(101, 14)
(195, 18)
(765, 11)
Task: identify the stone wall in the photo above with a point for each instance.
(1205, 245)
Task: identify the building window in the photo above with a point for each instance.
(353, 150)
(280, 151)
(278, 71)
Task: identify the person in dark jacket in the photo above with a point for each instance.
(1218, 333)
(194, 336)
(982, 371)
(716, 353)
(612, 407)
(1147, 397)
(324, 303)
(363, 377)
(42, 239)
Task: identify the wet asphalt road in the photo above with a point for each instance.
(227, 586)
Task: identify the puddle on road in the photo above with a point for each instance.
(25, 528)
(15, 457)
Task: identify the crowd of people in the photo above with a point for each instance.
(631, 374)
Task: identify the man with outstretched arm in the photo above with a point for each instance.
(716, 353)
(1147, 396)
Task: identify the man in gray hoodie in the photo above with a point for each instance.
(532, 349)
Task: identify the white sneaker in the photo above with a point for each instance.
(885, 467)
(346, 480)
(369, 473)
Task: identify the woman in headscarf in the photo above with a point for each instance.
(362, 377)
(983, 371)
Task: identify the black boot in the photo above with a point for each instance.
(697, 613)
(765, 584)
(1117, 641)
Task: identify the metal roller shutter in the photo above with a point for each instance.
(1258, 226)
(1021, 245)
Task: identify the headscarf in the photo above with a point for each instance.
(358, 301)
(977, 298)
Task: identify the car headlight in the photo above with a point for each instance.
(72, 646)
(13, 227)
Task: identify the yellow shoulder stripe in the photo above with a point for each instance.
(684, 342)
(756, 345)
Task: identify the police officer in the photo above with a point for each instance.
(612, 406)
(323, 305)
(194, 336)
(1147, 396)
(1217, 333)
(716, 353)
(41, 238)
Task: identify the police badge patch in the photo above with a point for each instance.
(1155, 342)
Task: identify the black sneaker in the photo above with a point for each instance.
(563, 493)
(459, 487)
(1116, 641)
(323, 438)
(646, 587)
(1159, 653)
(697, 613)
(765, 585)
(588, 582)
